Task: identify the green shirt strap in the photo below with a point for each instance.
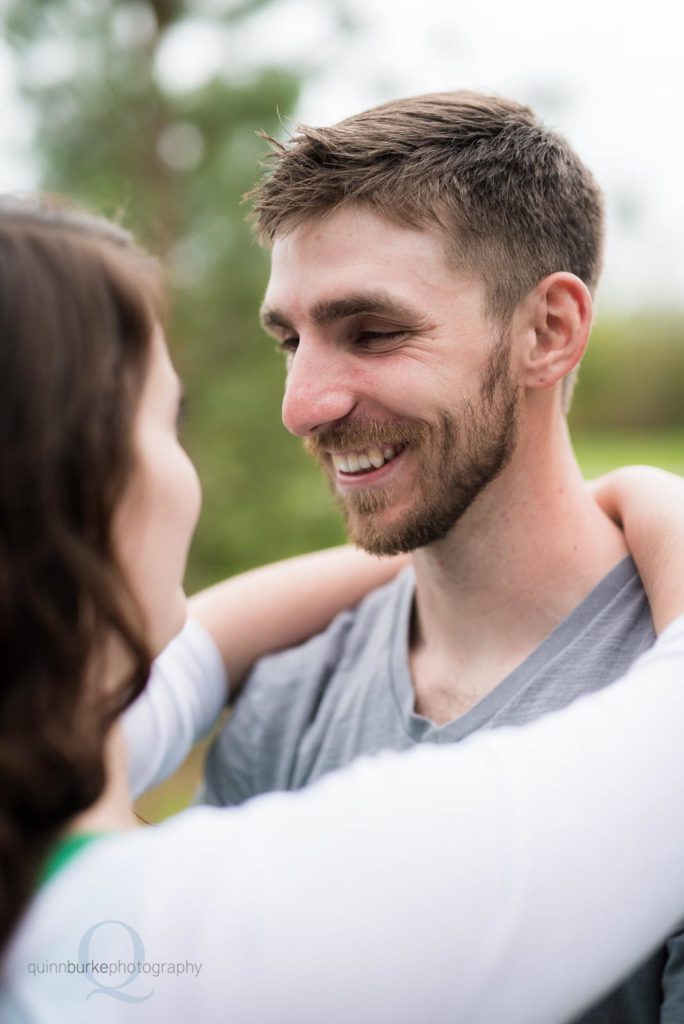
(63, 851)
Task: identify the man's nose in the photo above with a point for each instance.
(318, 388)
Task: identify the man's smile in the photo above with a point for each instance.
(365, 466)
(363, 460)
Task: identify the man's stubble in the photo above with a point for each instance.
(458, 457)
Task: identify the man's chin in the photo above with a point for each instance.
(380, 534)
(389, 530)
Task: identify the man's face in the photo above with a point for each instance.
(397, 382)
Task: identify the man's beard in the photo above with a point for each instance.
(457, 458)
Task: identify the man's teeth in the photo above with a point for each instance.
(368, 458)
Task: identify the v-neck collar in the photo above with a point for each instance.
(418, 727)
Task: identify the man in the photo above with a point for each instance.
(433, 264)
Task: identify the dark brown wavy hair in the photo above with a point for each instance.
(78, 301)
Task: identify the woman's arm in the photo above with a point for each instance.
(555, 866)
(245, 617)
(283, 604)
(648, 504)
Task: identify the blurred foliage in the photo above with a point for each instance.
(632, 377)
(173, 166)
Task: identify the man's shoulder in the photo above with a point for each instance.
(617, 612)
(370, 624)
(300, 692)
(593, 647)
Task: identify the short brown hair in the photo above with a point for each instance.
(513, 199)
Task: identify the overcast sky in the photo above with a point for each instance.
(610, 76)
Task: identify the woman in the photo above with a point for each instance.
(418, 887)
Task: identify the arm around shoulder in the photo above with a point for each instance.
(648, 504)
(358, 918)
(281, 605)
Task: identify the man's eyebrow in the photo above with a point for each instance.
(327, 311)
(377, 302)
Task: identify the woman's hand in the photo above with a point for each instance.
(648, 504)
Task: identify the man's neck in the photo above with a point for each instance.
(528, 551)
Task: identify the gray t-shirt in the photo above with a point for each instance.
(348, 691)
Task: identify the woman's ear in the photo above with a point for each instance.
(557, 320)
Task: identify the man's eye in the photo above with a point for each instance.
(288, 345)
(380, 335)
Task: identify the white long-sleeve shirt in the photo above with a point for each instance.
(183, 698)
(512, 878)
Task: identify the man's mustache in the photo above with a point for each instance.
(357, 434)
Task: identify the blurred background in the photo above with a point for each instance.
(147, 111)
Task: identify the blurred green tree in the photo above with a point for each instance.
(114, 132)
(633, 374)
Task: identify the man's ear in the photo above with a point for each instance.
(556, 321)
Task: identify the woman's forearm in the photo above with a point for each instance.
(648, 504)
(283, 604)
